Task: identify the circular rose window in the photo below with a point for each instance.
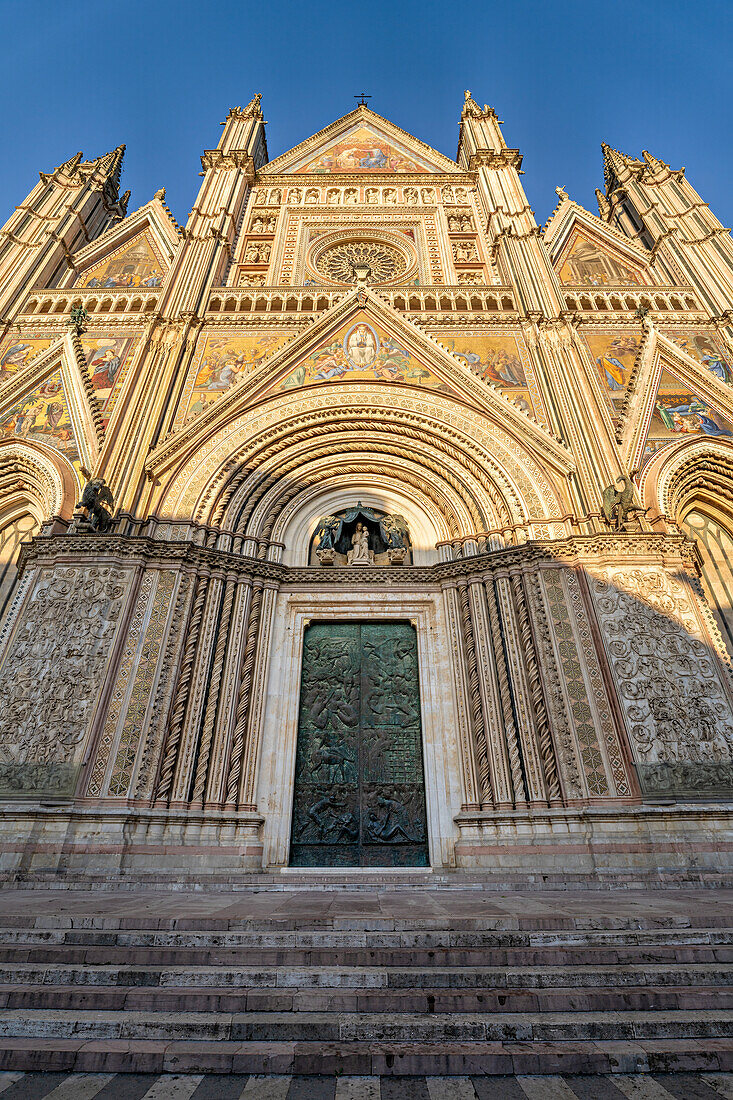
(356, 261)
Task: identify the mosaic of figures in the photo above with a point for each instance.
(19, 352)
(360, 352)
(43, 416)
(107, 359)
(501, 360)
(364, 150)
(588, 265)
(679, 412)
(614, 354)
(134, 265)
(704, 348)
(222, 361)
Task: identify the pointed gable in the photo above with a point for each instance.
(361, 142)
(679, 412)
(362, 351)
(586, 262)
(137, 263)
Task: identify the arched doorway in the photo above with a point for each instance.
(18, 524)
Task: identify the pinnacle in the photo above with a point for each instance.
(612, 161)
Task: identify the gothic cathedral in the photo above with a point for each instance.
(355, 523)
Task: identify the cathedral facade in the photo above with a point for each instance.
(355, 524)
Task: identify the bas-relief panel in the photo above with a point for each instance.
(364, 150)
(586, 264)
(43, 416)
(136, 264)
(223, 360)
(502, 360)
(362, 351)
(677, 713)
(50, 680)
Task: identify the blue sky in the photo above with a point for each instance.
(160, 76)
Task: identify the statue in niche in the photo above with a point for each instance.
(360, 554)
(95, 506)
(619, 503)
(363, 537)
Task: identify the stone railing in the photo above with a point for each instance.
(439, 300)
(50, 303)
(618, 299)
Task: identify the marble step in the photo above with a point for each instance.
(365, 1026)
(363, 978)
(384, 1059)
(426, 1000)
(617, 955)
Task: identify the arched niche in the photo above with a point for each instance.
(298, 523)
(711, 528)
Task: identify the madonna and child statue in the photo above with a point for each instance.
(360, 536)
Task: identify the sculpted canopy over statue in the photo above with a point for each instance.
(393, 533)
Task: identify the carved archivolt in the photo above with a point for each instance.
(468, 447)
(39, 476)
(693, 471)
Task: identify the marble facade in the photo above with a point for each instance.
(575, 686)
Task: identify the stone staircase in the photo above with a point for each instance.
(363, 996)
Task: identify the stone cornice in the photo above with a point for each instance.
(146, 551)
(491, 158)
(234, 160)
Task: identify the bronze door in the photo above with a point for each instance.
(359, 796)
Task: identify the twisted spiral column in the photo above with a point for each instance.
(510, 730)
(202, 763)
(175, 724)
(244, 694)
(547, 749)
(478, 725)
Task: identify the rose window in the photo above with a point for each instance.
(361, 261)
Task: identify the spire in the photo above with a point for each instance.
(613, 161)
(655, 164)
(111, 165)
(70, 166)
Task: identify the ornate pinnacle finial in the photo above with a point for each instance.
(654, 163)
(604, 206)
(562, 194)
(470, 106)
(160, 194)
(253, 108)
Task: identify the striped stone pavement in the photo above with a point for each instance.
(170, 1086)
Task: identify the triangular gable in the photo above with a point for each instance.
(361, 142)
(387, 349)
(586, 262)
(586, 251)
(153, 235)
(672, 397)
(137, 263)
(48, 404)
(107, 359)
